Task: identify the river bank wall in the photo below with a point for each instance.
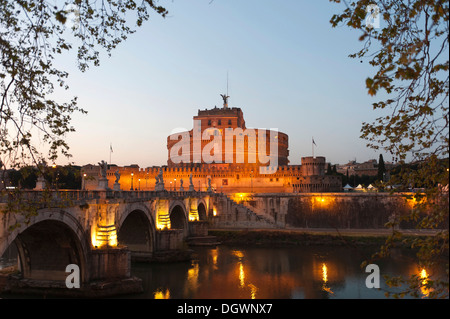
(329, 237)
(317, 210)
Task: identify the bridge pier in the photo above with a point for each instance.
(108, 275)
(169, 239)
(110, 263)
(198, 234)
(170, 246)
(198, 228)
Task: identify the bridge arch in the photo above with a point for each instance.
(202, 210)
(136, 229)
(50, 241)
(178, 215)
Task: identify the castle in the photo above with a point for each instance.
(221, 154)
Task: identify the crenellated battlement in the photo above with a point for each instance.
(224, 178)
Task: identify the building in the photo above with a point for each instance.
(312, 177)
(367, 168)
(219, 135)
(221, 153)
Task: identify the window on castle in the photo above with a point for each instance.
(220, 122)
(209, 122)
(229, 122)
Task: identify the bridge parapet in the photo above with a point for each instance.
(35, 196)
(78, 195)
(154, 194)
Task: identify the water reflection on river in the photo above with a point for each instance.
(224, 272)
(260, 272)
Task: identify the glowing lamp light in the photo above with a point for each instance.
(193, 215)
(192, 218)
(322, 200)
(253, 291)
(241, 275)
(325, 279)
(324, 273)
(104, 236)
(159, 294)
(415, 201)
(95, 243)
(163, 221)
(239, 197)
(424, 276)
(112, 240)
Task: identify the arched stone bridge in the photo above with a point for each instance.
(100, 231)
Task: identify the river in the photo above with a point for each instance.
(305, 272)
(294, 272)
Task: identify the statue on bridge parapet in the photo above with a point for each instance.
(159, 185)
(116, 186)
(40, 183)
(159, 177)
(103, 181)
(103, 168)
(191, 184)
(117, 174)
(181, 185)
(209, 184)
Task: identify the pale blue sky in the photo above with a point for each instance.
(288, 69)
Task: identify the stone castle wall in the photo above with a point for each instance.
(336, 210)
(317, 210)
(224, 179)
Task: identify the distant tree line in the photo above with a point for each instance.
(384, 175)
(365, 180)
(59, 177)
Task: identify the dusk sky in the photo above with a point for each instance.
(288, 69)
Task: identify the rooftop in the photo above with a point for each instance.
(234, 111)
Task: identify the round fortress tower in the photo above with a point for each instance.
(313, 166)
